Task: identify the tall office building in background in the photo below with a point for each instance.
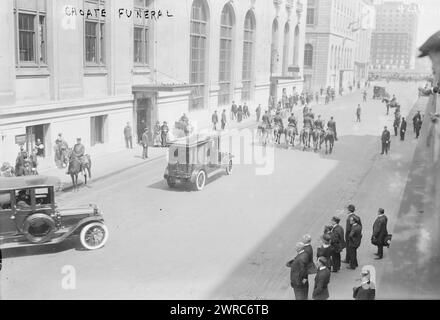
(393, 44)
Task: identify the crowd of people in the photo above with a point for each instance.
(328, 256)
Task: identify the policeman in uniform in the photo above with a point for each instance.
(318, 123)
(292, 120)
(78, 149)
(278, 120)
(332, 125)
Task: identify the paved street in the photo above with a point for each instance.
(179, 244)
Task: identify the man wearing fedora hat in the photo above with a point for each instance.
(379, 232)
(350, 210)
(322, 279)
(354, 241)
(337, 242)
(298, 273)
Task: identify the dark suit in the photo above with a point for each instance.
(354, 241)
(379, 233)
(326, 252)
(396, 126)
(347, 233)
(332, 125)
(402, 130)
(338, 244)
(386, 139)
(310, 265)
(322, 279)
(298, 273)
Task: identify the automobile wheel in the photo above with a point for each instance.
(200, 180)
(39, 227)
(229, 168)
(93, 235)
(171, 182)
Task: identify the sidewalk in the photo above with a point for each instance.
(107, 164)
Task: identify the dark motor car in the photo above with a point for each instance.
(29, 216)
(380, 93)
(196, 158)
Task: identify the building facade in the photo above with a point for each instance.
(334, 42)
(84, 68)
(394, 39)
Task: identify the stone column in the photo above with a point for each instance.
(7, 52)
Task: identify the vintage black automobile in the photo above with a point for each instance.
(196, 158)
(29, 216)
(380, 93)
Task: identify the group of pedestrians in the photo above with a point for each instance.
(400, 127)
(328, 256)
(240, 112)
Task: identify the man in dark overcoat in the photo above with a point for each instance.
(350, 210)
(298, 273)
(354, 241)
(322, 279)
(402, 129)
(380, 232)
(337, 242)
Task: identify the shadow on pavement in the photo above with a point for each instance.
(40, 249)
(263, 274)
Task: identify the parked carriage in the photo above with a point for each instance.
(196, 158)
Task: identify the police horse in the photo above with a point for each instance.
(318, 136)
(265, 132)
(278, 130)
(305, 137)
(79, 165)
(329, 139)
(291, 132)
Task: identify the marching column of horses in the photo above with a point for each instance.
(310, 137)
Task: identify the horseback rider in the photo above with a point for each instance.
(311, 114)
(308, 122)
(278, 120)
(292, 120)
(332, 125)
(319, 123)
(78, 149)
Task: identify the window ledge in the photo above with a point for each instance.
(32, 72)
(95, 71)
(141, 69)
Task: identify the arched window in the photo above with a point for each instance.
(225, 61)
(248, 55)
(308, 55)
(286, 48)
(274, 48)
(296, 47)
(198, 46)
